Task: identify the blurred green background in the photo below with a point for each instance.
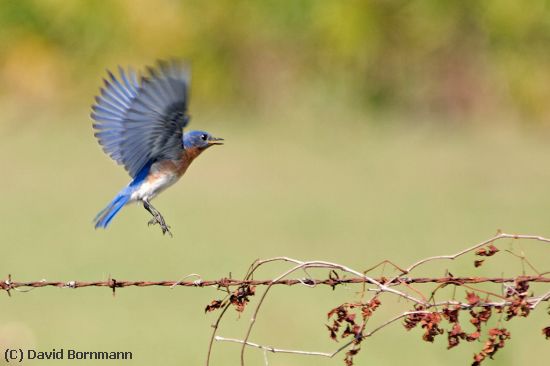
(356, 131)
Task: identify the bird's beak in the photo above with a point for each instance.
(215, 141)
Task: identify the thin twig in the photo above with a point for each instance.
(273, 349)
(472, 248)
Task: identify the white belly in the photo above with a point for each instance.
(151, 187)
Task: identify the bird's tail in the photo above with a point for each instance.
(105, 216)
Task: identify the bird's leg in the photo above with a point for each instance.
(157, 217)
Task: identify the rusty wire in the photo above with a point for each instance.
(112, 283)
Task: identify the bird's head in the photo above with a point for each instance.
(200, 140)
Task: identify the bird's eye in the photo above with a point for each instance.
(204, 137)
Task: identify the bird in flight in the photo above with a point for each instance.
(139, 122)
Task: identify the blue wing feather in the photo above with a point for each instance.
(141, 121)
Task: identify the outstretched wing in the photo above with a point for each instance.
(137, 122)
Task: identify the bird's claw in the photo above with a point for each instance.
(157, 219)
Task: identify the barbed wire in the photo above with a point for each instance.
(424, 308)
(112, 283)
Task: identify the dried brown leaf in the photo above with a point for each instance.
(472, 298)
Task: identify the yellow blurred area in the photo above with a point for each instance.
(461, 60)
(356, 131)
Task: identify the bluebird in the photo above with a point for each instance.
(139, 122)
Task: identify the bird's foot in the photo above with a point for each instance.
(158, 219)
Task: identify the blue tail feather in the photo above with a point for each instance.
(105, 216)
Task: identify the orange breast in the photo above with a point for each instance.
(187, 157)
(177, 167)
